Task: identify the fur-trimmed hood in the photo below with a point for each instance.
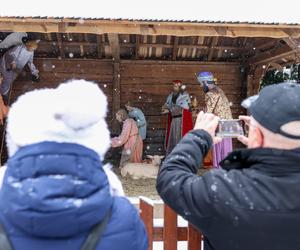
(74, 112)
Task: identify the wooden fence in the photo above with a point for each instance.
(170, 233)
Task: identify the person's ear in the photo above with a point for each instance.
(258, 140)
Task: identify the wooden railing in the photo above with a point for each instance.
(170, 233)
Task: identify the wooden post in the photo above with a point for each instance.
(146, 209)
(194, 238)
(170, 229)
(60, 45)
(114, 46)
(100, 49)
(250, 85)
(175, 48)
(137, 47)
(116, 96)
(212, 50)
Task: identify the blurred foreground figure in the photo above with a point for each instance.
(253, 201)
(56, 193)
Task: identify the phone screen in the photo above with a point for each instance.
(230, 128)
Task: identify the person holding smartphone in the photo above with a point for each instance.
(216, 103)
(252, 202)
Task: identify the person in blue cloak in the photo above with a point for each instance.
(138, 115)
(56, 192)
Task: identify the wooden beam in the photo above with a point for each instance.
(294, 45)
(271, 56)
(114, 46)
(276, 66)
(178, 62)
(183, 46)
(267, 45)
(149, 62)
(44, 25)
(175, 48)
(147, 45)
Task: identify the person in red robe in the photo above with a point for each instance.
(180, 120)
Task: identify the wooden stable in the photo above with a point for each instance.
(137, 60)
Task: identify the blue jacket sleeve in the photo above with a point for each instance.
(140, 233)
(178, 183)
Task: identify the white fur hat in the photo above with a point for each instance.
(74, 112)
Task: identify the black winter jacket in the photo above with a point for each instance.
(252, 203)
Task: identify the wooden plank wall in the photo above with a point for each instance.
(145, 83)
(55, 71)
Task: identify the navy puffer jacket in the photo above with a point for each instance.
(53, 193)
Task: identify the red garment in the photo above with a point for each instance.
(186, 126)
(131, 140)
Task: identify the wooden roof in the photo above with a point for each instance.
(246, 43)
(148, 27)
(217, 11)
(244, 50)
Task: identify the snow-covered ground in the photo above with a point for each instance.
(181, 245)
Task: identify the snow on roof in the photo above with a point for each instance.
(252, 11)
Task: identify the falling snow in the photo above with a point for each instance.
(213, 188)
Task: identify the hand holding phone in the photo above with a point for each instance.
(209, 123)
(230, 128)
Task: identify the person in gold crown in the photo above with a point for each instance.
(217, 104)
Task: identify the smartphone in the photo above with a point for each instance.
(230, 128)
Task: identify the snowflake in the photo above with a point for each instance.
(213, 187)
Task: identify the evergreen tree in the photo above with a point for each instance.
(276, 76)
